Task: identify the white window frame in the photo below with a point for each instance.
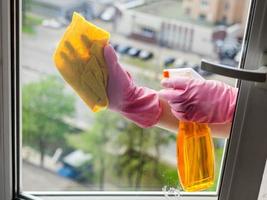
(247, 152)
(233, 185)
(7, 167)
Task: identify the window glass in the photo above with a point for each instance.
(204, 3)
(202, 17)
(66, 147)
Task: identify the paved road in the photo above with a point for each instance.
(51, 182)
(40, 179)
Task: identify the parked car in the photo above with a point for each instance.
(123, 49)
(114, 45)
(108, 14)
(179, 63)
(146, 55)
(51, 23)
(134, 52)
(75, 164)
(168, 61)
(229, 49)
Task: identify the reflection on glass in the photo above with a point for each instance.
(67, 147)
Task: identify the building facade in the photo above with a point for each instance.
(165, 32)
(226, 12)
(196, 29)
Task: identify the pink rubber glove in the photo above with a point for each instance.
(203, 101)
(138, 104)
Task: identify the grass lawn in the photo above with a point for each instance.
(218, 159)
(145, 64)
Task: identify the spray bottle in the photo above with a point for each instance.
(194, 146)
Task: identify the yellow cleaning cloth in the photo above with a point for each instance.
(80, 60)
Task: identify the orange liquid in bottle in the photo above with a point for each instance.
(195, 151)
(195, 154)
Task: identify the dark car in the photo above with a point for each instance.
(77, 165)
(229, 49)
(134, 52)
(168, 61)
(114, 45)
(146, 55)
(123, 49)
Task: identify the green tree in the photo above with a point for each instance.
(95, 141)
(135, 141)
(139, 145)
(122, 149)
(29, 20)
(26, 6)
(160, 139)
(44, 106)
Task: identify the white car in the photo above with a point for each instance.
(180, 63)
(51, 23)
(108, 14)
(145, 55)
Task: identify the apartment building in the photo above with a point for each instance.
(216, 11)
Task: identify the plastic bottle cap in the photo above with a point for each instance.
(166, 74)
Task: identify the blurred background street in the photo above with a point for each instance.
(149, 36)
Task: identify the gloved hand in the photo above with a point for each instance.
(138, 104)
(87, 77)
(203, 101)
(79, 58)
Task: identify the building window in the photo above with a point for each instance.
(204, 3)
(187, 11)
(226, 6)
(202, 17)
(224, 20)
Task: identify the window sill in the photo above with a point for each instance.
(114, 196)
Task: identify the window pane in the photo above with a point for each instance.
(66, 146)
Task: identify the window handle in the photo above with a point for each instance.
(242, 74)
